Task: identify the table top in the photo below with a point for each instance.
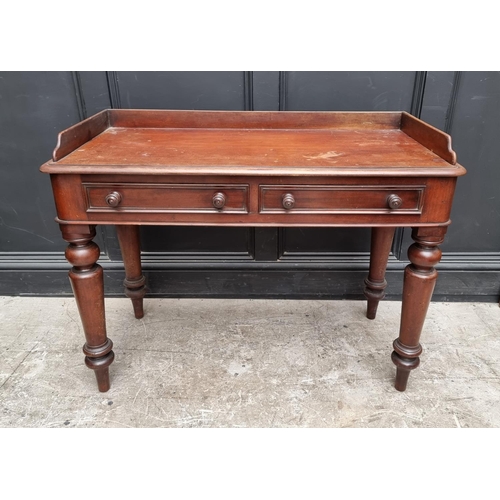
(254, 143)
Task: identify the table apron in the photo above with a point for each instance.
(252, 201)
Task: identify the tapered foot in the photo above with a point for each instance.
(373, 297)
(375, 284)
(99, 359)
(102, 377)
(138, 305)
(402, 375)
(135, 289)
(404, 364)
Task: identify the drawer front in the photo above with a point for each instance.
(166, 198)
(317, 199)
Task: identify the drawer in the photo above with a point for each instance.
(169, 198)
(315, 199)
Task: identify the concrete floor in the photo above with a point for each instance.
(248, 363)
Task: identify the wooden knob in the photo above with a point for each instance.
(394, 201)
(219, 200)
(113, 199)
(288, 201)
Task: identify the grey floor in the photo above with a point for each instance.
(248, 363)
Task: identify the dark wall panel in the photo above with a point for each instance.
(266, 90)
(475, 128)
(93, 91)
(349, 90)
(436, 100)
(182, 89)
(193, 240)
(34, 107)
(325, 241)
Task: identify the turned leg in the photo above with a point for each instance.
(134, 282)
(381, 243)
(86, 279)
(419, 280)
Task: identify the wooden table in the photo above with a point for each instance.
(135, 167)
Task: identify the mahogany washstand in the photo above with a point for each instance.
(223, 168)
